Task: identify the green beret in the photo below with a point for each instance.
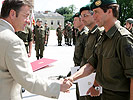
(69, 23)
(129, 20)
(86, 7)
(39, 20)
(76, 15)
(100, 3)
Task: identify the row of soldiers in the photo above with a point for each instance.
(98, 50)
(69, 32)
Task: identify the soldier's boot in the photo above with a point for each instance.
(37, 57)
(41, 56)
(58, 42)
(70, 43)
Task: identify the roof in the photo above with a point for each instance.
(50, 15)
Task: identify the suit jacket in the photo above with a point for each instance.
(16, 70)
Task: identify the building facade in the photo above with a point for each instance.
(53, 19)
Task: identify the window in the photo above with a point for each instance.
(52, 22)
(58, 22)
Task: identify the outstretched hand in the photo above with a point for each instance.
(65, 86)
(68, 79)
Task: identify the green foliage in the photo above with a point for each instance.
(72, 9)
(68, 17)
(63, 10)
(67, 12)
(126, 10)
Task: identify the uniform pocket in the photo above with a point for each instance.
(111, 68)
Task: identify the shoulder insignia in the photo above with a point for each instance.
(129, 50)
(123, 31)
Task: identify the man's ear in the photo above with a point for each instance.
(12, 14)
(109, 11)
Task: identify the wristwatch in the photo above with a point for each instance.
(97, 88)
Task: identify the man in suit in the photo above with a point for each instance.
(27, 37)
(15, 69)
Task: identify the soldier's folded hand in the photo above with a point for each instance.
(94, 91)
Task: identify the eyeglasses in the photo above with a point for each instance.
(85, 15)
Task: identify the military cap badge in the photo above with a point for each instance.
(98, 2)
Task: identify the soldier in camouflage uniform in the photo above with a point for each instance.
(27, 37)
(39, 33)
(74, 34)
(65, 34)
(129, 25)
(69, 33)
(47, 31)
(59, 35)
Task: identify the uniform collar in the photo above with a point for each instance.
(94, 29)
(111, 32)
(82, 31)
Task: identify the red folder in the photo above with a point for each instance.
(41, 63)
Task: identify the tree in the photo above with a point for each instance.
(126, 10)
(63, 10)
(72, 9)
(67, 12)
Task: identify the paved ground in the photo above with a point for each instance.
(64, 57)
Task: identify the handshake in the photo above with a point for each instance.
(66, 84)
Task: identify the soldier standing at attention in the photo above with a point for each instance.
(129, 25)
(80, 44)
(93, 36)
(47, 32)
(65, 34)
(113, 56)
(59, 35)
(69, 32)
(74, 35)
(27, 37)
(39, 33)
